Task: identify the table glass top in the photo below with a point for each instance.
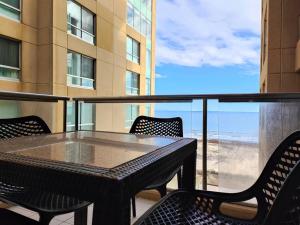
(101, 149)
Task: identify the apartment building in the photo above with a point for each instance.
(78, 48)
(280, 72)
(280, 54)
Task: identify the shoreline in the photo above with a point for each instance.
(228, 141)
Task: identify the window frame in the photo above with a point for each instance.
(133, 89)
(141, 14)
(14, 8)
(130, 118)
(130, 54)
(81, 77)
(148, 86)
(80, 29)
(11, 67)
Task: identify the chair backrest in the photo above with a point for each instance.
(167, 127)
(269, 187)
(286, 208)
(22, 126)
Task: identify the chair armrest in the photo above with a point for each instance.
(219, 197)
(227, 197)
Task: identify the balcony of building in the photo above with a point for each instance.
(236, 133)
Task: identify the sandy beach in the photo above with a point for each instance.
(232, 165)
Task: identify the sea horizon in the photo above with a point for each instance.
(222, 125)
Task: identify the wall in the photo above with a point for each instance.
(280, 70)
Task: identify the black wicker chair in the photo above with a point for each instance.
(167, 127)
(47, 204)
(277, 191)
(8, 217)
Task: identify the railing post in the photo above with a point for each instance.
(76, 115)
(204, 145)
(65, 115)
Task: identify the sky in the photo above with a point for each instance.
(208, 46)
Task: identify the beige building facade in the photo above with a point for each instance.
(280, 51)
(280, 73)
(79, 48)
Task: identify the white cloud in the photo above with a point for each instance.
(160, 76)
(208, 32)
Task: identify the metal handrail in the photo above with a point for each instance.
(134, 99)
(250, 97)
(23, 96)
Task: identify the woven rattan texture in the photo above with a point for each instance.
(36, 199)
(24, 126)
(166, 127)
(171, 127)
(10, 188)
(184, 208)
(277, 176)
(277, 191)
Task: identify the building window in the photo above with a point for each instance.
(139, 16)
(10, 9)
(148, 63)
(81, 70)
(148, 86)
(133, 50)
(132, 112)
(81, 22)
(87, 117)
(9, 58)
(132, 88)
(148, 71)
(130, 14)
(132, 83)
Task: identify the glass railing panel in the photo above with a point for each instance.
(241, 136)
(212, 141)
(277, 121)
(270, 130)
(186, 113)
(51, 113)
(238, 161)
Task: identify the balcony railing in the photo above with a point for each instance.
(30, 97)
(258, 123)
(263, 108)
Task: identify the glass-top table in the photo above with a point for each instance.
(101, 167)
(106, 150)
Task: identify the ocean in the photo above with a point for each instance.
(234, 126)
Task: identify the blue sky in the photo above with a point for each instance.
(206, 46)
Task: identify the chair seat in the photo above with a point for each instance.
(39, 201)
(182, 207)
(11, 218)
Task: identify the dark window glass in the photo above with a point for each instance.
(9, 53)
(80, 70)
(87, 67)
(13, 3)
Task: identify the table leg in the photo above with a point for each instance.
(189, 172)
(112, 212)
